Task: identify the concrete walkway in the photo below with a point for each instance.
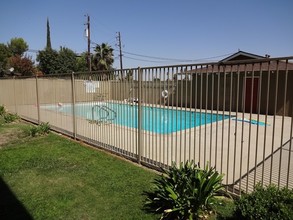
(242, 151)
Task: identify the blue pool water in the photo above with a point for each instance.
(158, 120)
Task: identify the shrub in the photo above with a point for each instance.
(266, 203)
(183, 192)
(44, 128)
(41, 129)
(33, 131)
(9, 117)
(2, 110)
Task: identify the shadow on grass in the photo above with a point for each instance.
(10, 206)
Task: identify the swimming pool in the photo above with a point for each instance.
(157, 120)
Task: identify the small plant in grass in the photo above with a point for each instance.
(41, 129)
(184, 192)
(44, 128)
(9, 117)
(33, 131)
(2, 110)
(266, 203)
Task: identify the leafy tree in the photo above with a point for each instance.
(81, 63)
(66, 60)
(17, 46)
(103, 58)
(11, 56)
(52, 61)
(48, 61)
(4, 55)
(23, 65)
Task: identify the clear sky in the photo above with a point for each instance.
(176, 29)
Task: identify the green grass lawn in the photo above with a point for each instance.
(52, 177)
(56, 178)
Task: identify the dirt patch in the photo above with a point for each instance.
(10, 135)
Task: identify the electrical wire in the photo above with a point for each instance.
(151, 61)
(154, 58)
(177, 60)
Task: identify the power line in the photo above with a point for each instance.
(152, 57)
(176, 60)
(152, 61)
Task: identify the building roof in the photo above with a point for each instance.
(241, 55)
(243, 61)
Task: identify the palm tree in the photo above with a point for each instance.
(103, 58)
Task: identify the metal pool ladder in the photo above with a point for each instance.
(110, 114)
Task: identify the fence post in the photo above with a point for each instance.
(73, 104)
(38, 101)
(140, 116)
(14, 93)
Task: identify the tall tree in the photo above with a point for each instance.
(17, 46)
(103, 58)
(48, 46)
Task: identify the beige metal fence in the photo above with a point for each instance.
(237, 116)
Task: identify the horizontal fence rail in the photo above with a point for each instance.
(235, 116)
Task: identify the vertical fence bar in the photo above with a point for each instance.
(140, 141)
(282, 129)
(242, 129)
(160, 145)
(290, 148)
(14, 96)
(217, 123)
(185, 112)
(175, 76)
(212, 112)
(249, 132)
(153, 104)
(266, 121)
(229, 126)
(181, 106)
(200, 117)
(257, 129)
(169, 156)
(38, 101)
(206, 109)
(190, 109)
(274, 121)
(195, 108)
(73, 104)
(223, 115)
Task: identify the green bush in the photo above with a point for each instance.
(2, 110)
(183, 192)
(33, 131)
(9, 117)
(266, 203)
(41, 129)
(44, 128)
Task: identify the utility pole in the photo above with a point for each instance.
(120, 55)
(88, 34)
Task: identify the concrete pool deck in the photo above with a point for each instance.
(242, 151)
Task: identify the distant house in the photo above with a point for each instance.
(243, 82)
